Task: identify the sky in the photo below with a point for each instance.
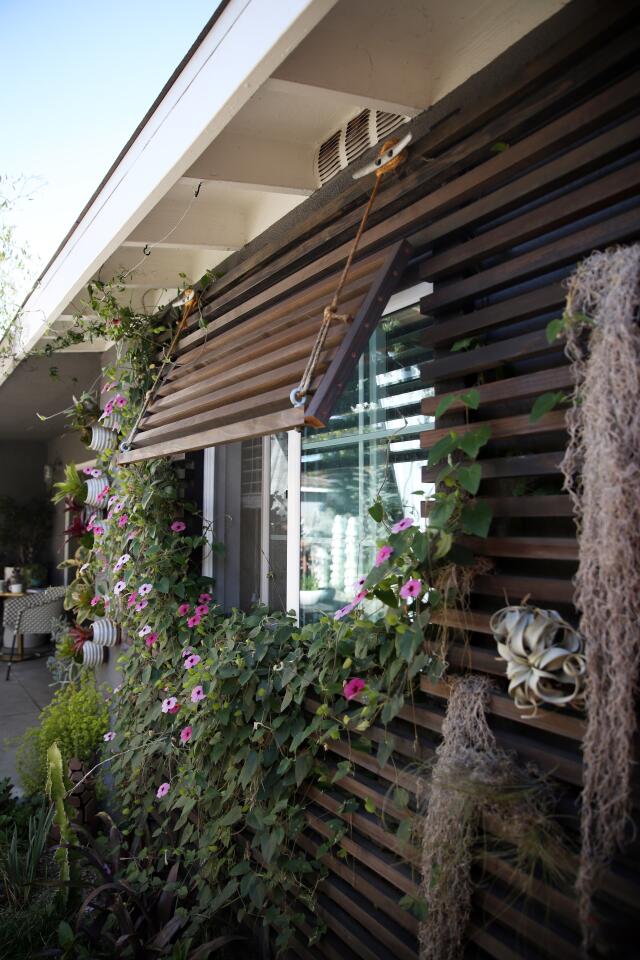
(76, 77)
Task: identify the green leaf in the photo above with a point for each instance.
(472, 441)
(65, 934)
(250, 766)
(464, 344)
(385, 749)
(499, 146)
(544, 404)
(444, 405)
(471, 399)
(555, 329)
(369, 805)
(392, 708)
(231, 816)
(163, 585)
(469, 477)
(441, 511)
(304, 763)
(445, 541)
(376, 511)
(442, 449)
(476, 518)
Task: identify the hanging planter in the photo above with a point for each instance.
(92, 654)
(102, 439)
(111, 422)
(105, 632)
(544, 655)
(95, 496)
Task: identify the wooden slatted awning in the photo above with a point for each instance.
(232, 378)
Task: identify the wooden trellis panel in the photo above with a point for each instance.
(496, 237)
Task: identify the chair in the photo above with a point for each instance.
(32, 613)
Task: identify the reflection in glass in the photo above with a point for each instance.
(369, 448)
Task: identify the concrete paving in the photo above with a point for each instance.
(21, 700)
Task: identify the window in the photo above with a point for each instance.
(369, 448)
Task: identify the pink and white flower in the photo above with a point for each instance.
(120, 563)
(96, 600)
(382, 555)
(169, 704)
(185, 734)
(123, 520)
(140, 605)
(191, 661)
(353, 687)
(343, 611)
(162, 790)
(146, 630)
(108, 737)
(119, 587)
(95, 473)
(178, 526)
(411, 589)
(197, 694)
(145, 589)
(401, 525)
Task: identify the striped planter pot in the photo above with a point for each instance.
(111, 422)
(103, 439)
(94, 488)
(92, 654)
(105, 632)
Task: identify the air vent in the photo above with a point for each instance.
(347, 144)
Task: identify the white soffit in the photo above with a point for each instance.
(248, 41)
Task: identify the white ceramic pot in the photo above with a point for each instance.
(92, 654)
(16, 588)
(103, 439)
(105, 632)
(94, 488)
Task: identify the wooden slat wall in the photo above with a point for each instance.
(496, 238)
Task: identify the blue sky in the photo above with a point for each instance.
(76, 77)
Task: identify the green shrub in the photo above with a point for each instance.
(77, 718)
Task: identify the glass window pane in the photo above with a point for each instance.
(369, 448)
(277, 556)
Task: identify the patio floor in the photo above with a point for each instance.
(21, 700)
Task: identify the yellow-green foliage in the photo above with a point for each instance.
(56, 791)
(77, 718)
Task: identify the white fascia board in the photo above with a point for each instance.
(245, 45)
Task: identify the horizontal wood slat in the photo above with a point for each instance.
(500, 429)
(512, 388)
(485, 358)
(524, 465)
(513, 588)
(539, 548)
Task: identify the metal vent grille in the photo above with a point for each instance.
(352, 140)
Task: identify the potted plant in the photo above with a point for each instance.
(311, 592)
(73, 486)
(34, 575)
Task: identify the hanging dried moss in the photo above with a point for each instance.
(602, 475)
(472, 781)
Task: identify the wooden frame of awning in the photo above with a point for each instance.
(232, 378)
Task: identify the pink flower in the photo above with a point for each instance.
(202, 610)
(112, 499)
(191, 661)
(352, 688)
(145, 631)
(120, 401)
(184, 609)
(401, 525)
(151, 639)
(120, 586)
(197, 694)
(343, 611)
(193, 621)
(168, 704)
(360, 582)
(95, 601)
(132, 599)
(178, 526)
(174, 708)
(108, 737)
(187, 651)
(87, 471)
(204, 597)
(123, 521)
(359, 597)
(141, 605)
(108, 408)
(383, 554)
(98, 530)
(107, 602)
(95, 473)
(186, 733)
(121, 562)
(162, 790)
(145, 589)
(117, 507)
(411, 589)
